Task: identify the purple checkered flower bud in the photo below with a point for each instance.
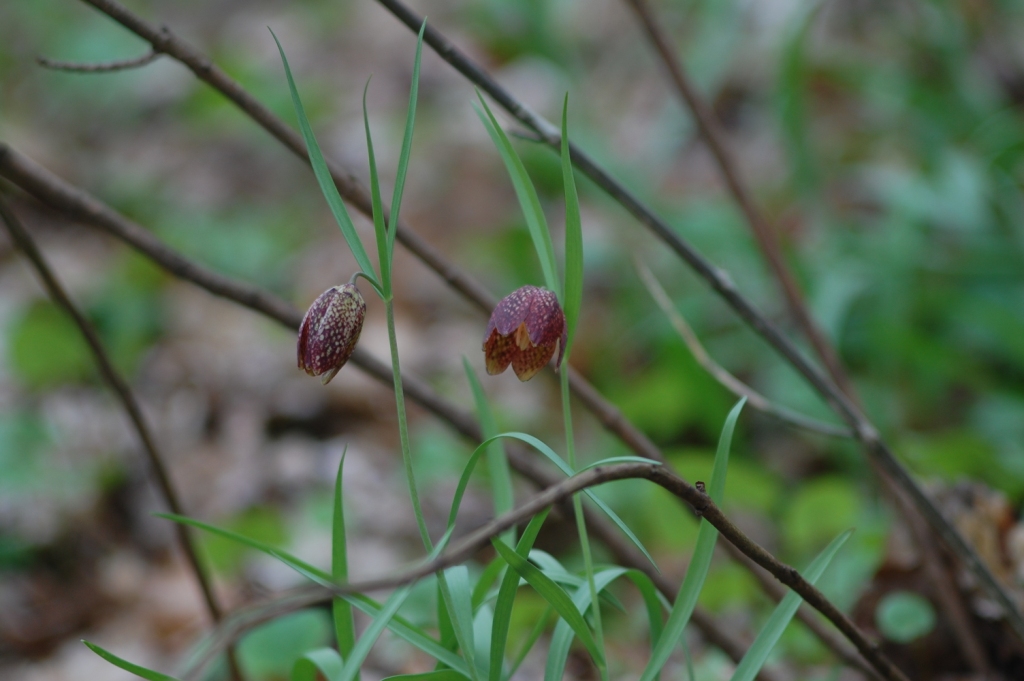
(525, 329)
(330, 330)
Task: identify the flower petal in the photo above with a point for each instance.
(545, 321)
(511, 311)
(526, 363)
(330, 330)
(498, 351)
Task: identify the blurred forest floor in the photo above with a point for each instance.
(883, 139)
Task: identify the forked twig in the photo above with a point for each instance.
(56, 193)
(125, 396)
(719, 281)
(101, 67)
(763, 231)
(700, 503)
(718, 372)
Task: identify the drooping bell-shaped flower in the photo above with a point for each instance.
(330, 330)
(525, 329)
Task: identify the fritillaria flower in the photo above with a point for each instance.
(330, 330)
(525, 329)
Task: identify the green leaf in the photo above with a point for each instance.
(403, 157)
(697, 572)
(45, 348)
(506, 598)
(564, 467)
(903, 616)
(528, 199)
(344, 627)
(486, 580)
(497, 462)
(128, 666)
(770, 633)
(531, 639)
(302, 567)
(573, 237)
(379, 230)
(553, 594)
(561, 640)
(372, 633)
(322, 661)
(445, 627)
(381, 621)
(716, 490)
(323, 177)
(439, 675)
(411, 634)
(400, 627)
(460, 604)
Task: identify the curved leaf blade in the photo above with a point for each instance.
(138, 670)
(770, 633)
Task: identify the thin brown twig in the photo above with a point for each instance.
(724, 378)
(701, 504)
(164, 40)
(78, 204)
(125, 396)
(720, 282)
(768, 241)
(763, 231)
(102, 67)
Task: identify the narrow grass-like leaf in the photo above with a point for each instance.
(561, 640)
(716, 490)
(538, 628)
(411, 634)
(565, 468)
(362, 647)
(697, 571)
(652, 602)
(400, 627)
(497, 462)
(445, 627)
(439, 675)
(528, 199)
(323, 177)
(553, 594)
(506, 598)
(460, 601)
(487, 578)
(309, 571)
(772, 630)
(573, 236)
(381, 621)
(379, 230)
(403, 157)
(344, 627)
(483, 623)
(312, 665)
(128, 666)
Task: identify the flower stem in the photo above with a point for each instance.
(403, 426)
(577, 508)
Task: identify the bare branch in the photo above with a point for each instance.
(719, 281)
(763, 231)
(724, 378)
(102, 67)
(701, 504)
(124, 395)
(768, 242)
(55, 192)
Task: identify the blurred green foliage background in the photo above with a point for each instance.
(883, 139)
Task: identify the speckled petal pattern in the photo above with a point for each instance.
(524, 330)
(330, 330)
